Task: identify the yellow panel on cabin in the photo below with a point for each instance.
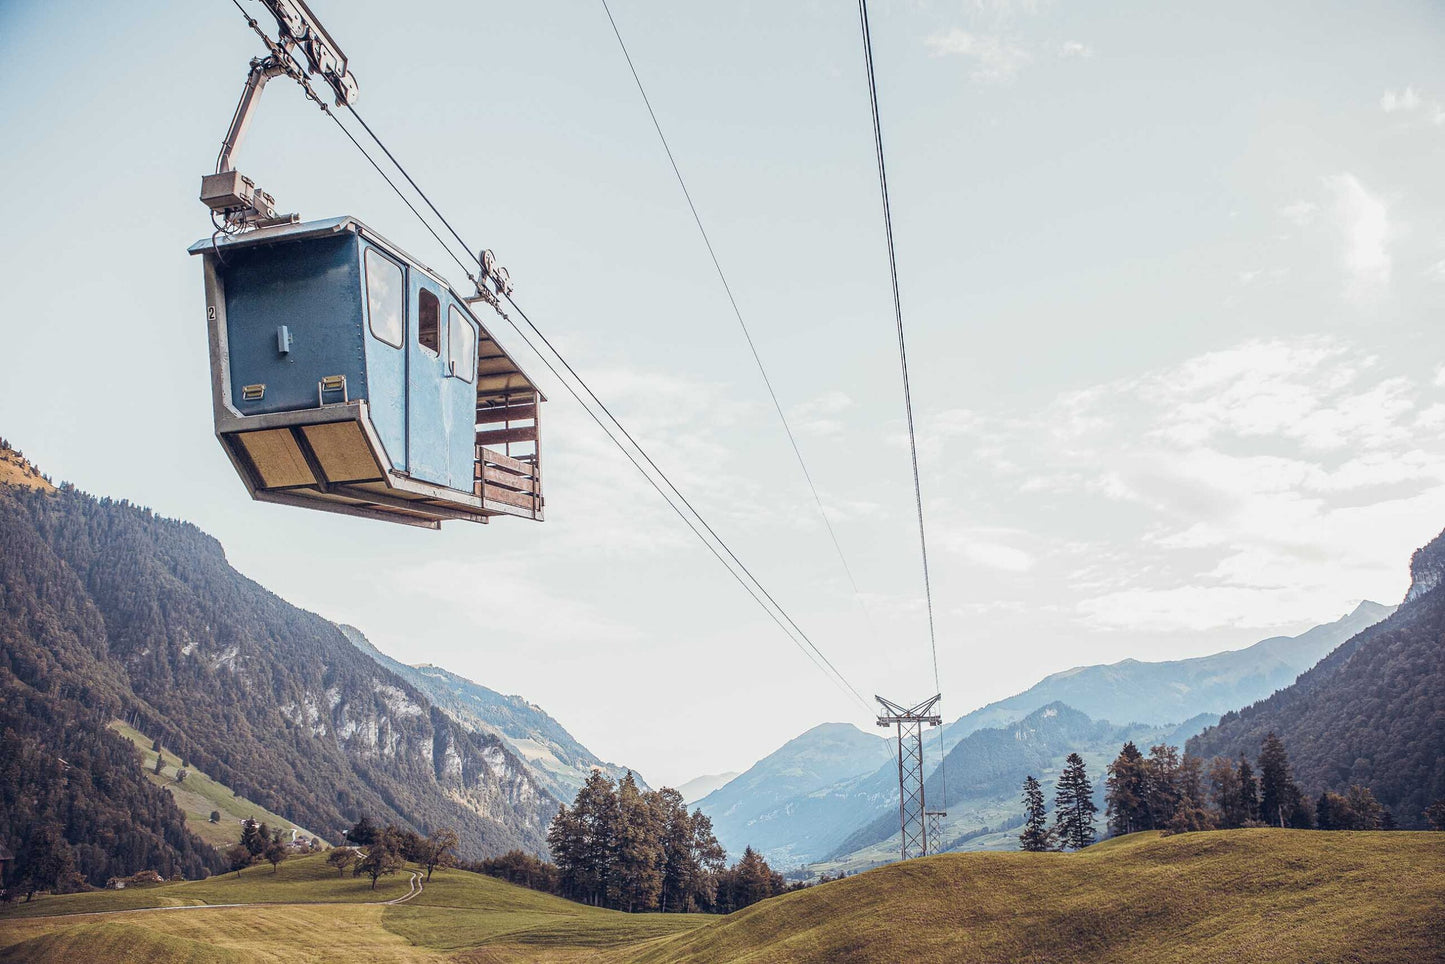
(343, 451)
(276, 456)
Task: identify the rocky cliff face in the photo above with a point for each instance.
(553, 757)
(270, 699)
(1427, 568)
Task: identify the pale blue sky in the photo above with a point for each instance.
(1172, 274)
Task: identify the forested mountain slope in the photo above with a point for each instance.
(1371, 713)
(110, 610)
(552, 755)
(62, 773)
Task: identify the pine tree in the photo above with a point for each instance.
(1163, 792)
(637, 850)
(1126, 790)
(1035, 836)
(252, 838)
(1280, 801)
(1248, 791)
(1074, 806)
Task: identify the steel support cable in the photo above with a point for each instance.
(903, 364)
(608, 412)
(737, 313)
(753, 586)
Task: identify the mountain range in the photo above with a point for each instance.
(794, 814)
(1170, 691)
(769, 807)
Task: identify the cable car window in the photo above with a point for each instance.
(385, 297)
(461, 345)
(429, 323)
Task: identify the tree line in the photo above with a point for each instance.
(376, 851)
(1164, 791)
(630, 849)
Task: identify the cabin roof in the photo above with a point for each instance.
(498, 375)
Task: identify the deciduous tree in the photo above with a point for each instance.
(342, 858)
(274, 854)
(383, 856)
(439, 850)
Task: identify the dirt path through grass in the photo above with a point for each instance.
(415, 885)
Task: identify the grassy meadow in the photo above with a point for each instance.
(1239, 896)
(199, 795)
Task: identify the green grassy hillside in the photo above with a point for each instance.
(198, 795)
(189, 922)
(1241, 896)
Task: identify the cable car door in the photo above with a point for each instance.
(427, 454)
(386, 341)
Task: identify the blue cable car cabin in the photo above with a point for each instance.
(348, 377)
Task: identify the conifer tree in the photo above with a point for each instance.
(637, 866)
(252, 838)
(1163, 791)
(1126, 791)
(1035, 836)
(1280, 801)
(1074, 806)
(1248, 791)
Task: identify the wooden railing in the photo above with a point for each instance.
(510, 479)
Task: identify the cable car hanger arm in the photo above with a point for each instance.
(238, 199)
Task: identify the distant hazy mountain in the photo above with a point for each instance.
(1171, 691)
(699, 787)
(744, 811)
(1170, 700)
(1371, 713)
(553, 756)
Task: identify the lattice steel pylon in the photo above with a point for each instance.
(918, 824)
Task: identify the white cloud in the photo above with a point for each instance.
(995, 60)
(1440, 377)
(985, 547)
(1300, 212)
(1404, 101)
(503, 601)
(819, 416)
(1070, 49)
(1364, 221)
(1259, 485)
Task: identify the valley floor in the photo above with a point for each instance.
(1240, 896)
